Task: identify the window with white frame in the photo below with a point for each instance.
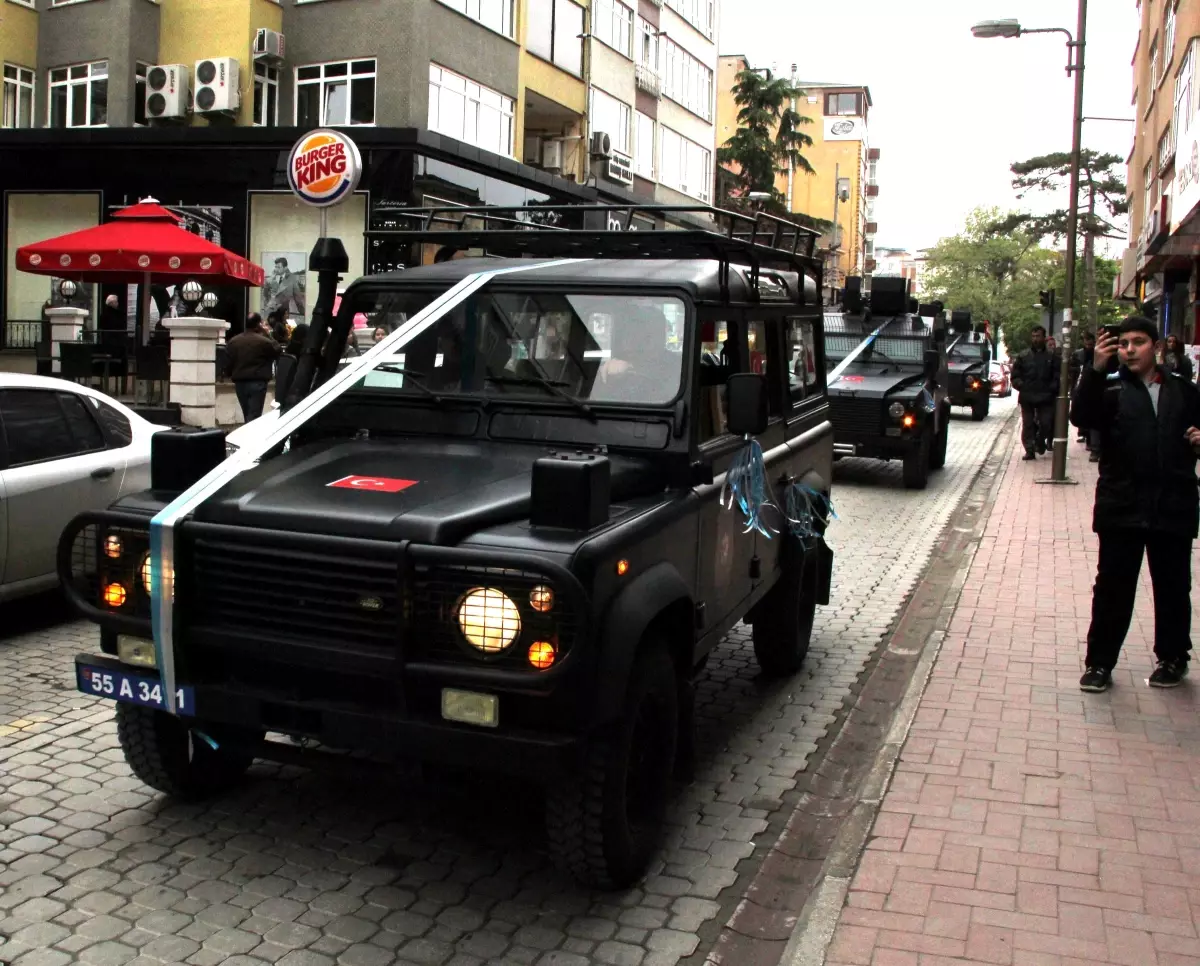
(612, 24)
(1149, 181)
(79, 95)
(554, 32)
(684, 165)
(1155, 67)
(18, 97)
(1184, 85)
(606, 113)
(1166, 150)
(646, 45)
(701, 14)
(643, 145)
(140, 71)
(266, 95)
(1168, 44)
(463, 109)
(337, 94)
(497, 15)
(686, 80)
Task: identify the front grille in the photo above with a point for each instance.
(245, 587)
(855, 416)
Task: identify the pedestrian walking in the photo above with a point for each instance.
(1175, 359)
(1146, 499)
(1035, 377)
(250, 361)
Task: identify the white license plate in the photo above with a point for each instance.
(131, 688)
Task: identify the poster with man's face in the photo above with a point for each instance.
(285, 284)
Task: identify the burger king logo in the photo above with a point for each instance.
(93, 260)
(35, 259)
(143, 261)
(205, 264)
(64, 260)
(324, 167)
(174, 261)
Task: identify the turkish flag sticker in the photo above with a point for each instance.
(377, 484)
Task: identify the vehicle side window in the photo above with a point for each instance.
(803, 379)
(36, 427)
(762, 356)
(116, 426)
(716, 365)
(84, 428)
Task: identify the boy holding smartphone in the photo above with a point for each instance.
(1146, 498)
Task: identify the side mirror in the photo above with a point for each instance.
(933, 364)
(746, 399)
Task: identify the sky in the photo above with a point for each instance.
(950, 113)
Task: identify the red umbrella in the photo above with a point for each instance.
(142, 244)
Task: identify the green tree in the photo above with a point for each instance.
(1102, 200)
(995, 272)
(768, 139)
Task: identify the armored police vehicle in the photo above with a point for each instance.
(968, 359)
(887, 378)
(506, 538)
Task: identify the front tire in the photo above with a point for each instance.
(605, 824)
(168, 756)
(783, 620)
(941, 442)
(979, 409)
(916, 463)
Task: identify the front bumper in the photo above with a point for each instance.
(874, 446)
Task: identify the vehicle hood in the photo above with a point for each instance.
(428, 491)
(872, 382)
(960, 367)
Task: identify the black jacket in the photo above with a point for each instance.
(1035, 377)
(252, 357)
(1147, 467)
(1081, 359)
(1178, 363)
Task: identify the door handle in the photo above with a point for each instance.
(103, 473)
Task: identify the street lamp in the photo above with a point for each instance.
(67, 289)
(209, 301)
(1075, 64)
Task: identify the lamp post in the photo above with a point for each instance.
(1075, 64)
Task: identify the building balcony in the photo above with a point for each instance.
(872, 154)
(870, 228)
(869, 265)
(647, 79)
(872, 190)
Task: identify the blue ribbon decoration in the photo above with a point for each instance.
(926, 400)
(806, 508)
(746, 485)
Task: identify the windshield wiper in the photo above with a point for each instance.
(412, 375)
(550, 385)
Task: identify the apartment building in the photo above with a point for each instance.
(1159, 266)
(452, 102)
(843, 188)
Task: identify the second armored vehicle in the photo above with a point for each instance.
(968, 359)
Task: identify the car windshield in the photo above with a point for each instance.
(970, 348)
(535, 344)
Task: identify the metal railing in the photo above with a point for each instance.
(23, 334)
(648, 80)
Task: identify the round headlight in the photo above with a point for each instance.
(146, 574)
(488, 619)
(896, 410)
(112, 546)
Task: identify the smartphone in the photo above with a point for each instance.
(1111, 330)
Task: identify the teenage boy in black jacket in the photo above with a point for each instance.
(1146, 499)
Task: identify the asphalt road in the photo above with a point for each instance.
(302, 869)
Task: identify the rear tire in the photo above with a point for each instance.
(783, 620)
(916, 463)
(604, 825)
(937, 452)
(979, 409)
(168, 756)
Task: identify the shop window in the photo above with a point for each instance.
(803, 377)
(338, 94)
(686, 80)
(608, 114)
(463, 109)
(644, 145)
(612, 23)
(847, 105)
(266, 96)
(79, 95)
(18, 97)
(496, 15)
(553, 32)
(684, 165)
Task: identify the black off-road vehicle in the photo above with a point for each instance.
(504, 545)
(968, 359)
(887, 379)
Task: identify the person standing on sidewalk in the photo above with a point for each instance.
(1035, 377)
(251, 361)
(1146, 499)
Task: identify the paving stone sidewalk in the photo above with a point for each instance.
(1028, 823)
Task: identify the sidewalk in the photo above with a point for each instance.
(1028, 823)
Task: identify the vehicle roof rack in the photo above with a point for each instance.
(760, 240)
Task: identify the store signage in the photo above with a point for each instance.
(324, 168)
(1186, 188)
(845, 129)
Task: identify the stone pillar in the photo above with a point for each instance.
(193, 376)
(66, 325)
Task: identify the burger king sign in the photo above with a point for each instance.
(324, 167)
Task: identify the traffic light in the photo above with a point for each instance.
(1044, 298)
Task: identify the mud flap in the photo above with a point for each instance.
(824, 571)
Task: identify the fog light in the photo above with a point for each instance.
(114, 595)
(470, 707)
(112, 546)
(542, 654)
(541, 599)
(136, 650)
(909, 421)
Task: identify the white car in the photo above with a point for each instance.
(64, 448)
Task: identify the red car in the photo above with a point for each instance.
(999, 373)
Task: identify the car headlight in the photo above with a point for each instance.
(145, 572)
(896, 410)
(488, 619)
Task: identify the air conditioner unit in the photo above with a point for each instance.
(268, 45)
(533, 150)
(601, 145)
(552, 155)
(620, 168)
(166, 91)
(217, 85)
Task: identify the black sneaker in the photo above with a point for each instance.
(1029, 455)
(1096, 679)
(1041, 447)
(1169, 674)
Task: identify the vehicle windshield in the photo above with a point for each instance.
(969, 348)
(535, 345)
(884, 350)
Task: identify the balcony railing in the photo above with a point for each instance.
(647, 79)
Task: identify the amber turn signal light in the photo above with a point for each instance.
(542, 654)
(622, 568)
(909, 420)
(114, 595)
